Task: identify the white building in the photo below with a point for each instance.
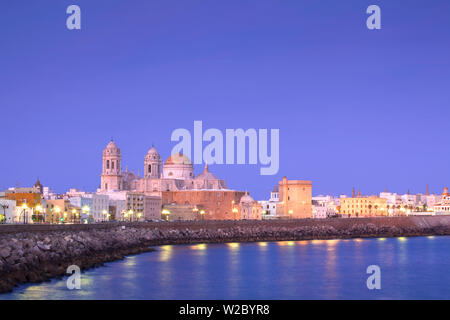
(7, 211)
(319, 211)
(100, 207)
(324, 206)
(95, 207)
(128, 205)
(153, 207)
(443, 207)
(269, 208)
(432, 200)
(48, 194)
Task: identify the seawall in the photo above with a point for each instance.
(35, 253)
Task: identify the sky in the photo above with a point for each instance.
(355, 107)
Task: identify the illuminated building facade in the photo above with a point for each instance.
(295, 199)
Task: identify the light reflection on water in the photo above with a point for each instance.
(414, 268)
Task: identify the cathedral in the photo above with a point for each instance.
(177, 174)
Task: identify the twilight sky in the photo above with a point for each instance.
(354, 107)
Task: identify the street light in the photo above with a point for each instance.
(202, 213)
(235, 211)
(131, 213)
(167, 213)
(105, 213)
(86, 209)
(290, 213)
(58, 211)
(38, 209)
(24, 211)
(74, 212)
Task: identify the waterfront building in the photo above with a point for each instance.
(443, 207)
(141, 207)
(269, 208)
(319, 210)
(249, 209)
(325, 206)
(7, 211)
(295, 199)
(182, 212)
(58, 211)
(217, 204)
(432, 200)
(174, 184)
(117, 204)
(131, 206)
(363, 206)
(93, 207)
(394, 203)
(28, 204)
(49, 194)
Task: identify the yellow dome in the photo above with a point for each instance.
(178, 158)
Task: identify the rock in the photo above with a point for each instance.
(5, 252)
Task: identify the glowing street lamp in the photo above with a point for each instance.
(235, 212)
(291, 212)
(74, 213)
(105, 214)
(166, 213)
(202, 213)
(86, 210)
(131, 213)
(24, 211)
(38, 210)
(58, 211)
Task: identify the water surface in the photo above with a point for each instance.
(411, 268)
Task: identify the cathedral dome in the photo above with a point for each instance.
(178, 158)
(112, 148)
(153, 151)
(153, 154)
(206, 175)
(247, 199)
(178, 166)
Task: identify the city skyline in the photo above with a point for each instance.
(355, 108)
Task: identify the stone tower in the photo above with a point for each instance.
(295, 198)
(111, 178)
(152, 164)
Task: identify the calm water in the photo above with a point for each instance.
(411, 268)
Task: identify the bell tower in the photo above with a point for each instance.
(111, 178)
(152, 164)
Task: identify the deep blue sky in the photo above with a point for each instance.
(354, 107)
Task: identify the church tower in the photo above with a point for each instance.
(152, 164)
(111, 178)
(275, 195)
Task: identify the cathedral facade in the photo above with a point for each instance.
(183, 194)
(177, 174)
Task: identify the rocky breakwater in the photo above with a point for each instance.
(29, 257)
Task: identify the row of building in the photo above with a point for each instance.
(384, 204)
(166, 192)
(172, 191)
